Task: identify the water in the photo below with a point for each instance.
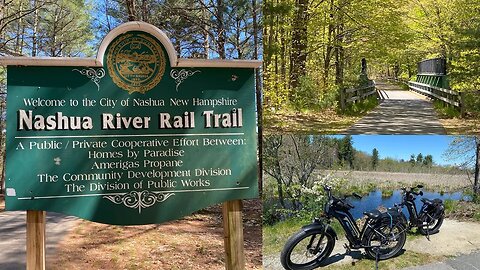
(375, 199)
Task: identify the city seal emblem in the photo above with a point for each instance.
(136, 62)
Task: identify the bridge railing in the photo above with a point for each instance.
(447, 96)
(357, 94)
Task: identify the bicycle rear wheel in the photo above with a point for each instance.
(385, 240)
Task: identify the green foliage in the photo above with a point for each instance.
(412, 160)
(446, 111)
(450, 205)
(428, 161)
(393, 36)
(362, 107)
(346, 153)
(472, 103)
(47, 28)
(374, 158)
(275, 236)
(387, 193)
(305, 96)
(419, 160)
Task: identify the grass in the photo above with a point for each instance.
(275, 236)
(445, 111)
(363, 107)
(461, 210)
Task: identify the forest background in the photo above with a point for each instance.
(314, 48)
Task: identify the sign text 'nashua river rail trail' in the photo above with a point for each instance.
(135, 136)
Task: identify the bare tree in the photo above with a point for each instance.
(131, 9)
(466, 149)
(291, 160)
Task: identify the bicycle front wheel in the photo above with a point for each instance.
(307, 250)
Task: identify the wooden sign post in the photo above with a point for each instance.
(233, 235)
(135, 136)
(35, 240)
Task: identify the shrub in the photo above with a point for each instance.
(446, 111)
(361, 107)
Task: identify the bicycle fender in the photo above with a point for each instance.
(319, 226)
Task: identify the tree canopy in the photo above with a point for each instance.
(313, 48)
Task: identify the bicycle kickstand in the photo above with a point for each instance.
(376, 258)
(428, 234)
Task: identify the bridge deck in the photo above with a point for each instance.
(399, 112)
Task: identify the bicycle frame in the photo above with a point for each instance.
(412, 212)
(352, 232)
(354, 235)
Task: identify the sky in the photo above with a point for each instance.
(403, 146)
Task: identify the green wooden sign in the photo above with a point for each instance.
(135, 136)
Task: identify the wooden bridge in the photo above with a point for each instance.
(401, 112)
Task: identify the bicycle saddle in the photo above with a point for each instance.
(372, 213)
(434, 201)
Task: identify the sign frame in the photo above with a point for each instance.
(231, 209)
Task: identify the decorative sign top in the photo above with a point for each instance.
(134, 138)
(136, 62)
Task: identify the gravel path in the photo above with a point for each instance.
(13, 236)
(400, 112)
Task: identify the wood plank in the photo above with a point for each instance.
(233, 235)
(454, 103)
(448, 91)
(35, 240)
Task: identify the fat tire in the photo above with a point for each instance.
(427, 231)
(370, 252)
(297, 238)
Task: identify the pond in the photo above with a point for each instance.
(375, 199)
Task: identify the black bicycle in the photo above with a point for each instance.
(382, 236)
(431, 215)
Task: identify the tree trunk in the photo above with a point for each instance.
(145, 16)
(476, 183)
(339, 53)
(258, 88)
(35, 29)
(328, 53)
(281, 198)
(107, 17)
(298, 56)
(132, 13)
(221, 29)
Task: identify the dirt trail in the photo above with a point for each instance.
(455, 238)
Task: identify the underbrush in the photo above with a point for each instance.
(361, 107)
(446, 111)
(462, 210)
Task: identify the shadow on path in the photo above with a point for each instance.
(400, 112)
(464, 262)
(13, 236)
